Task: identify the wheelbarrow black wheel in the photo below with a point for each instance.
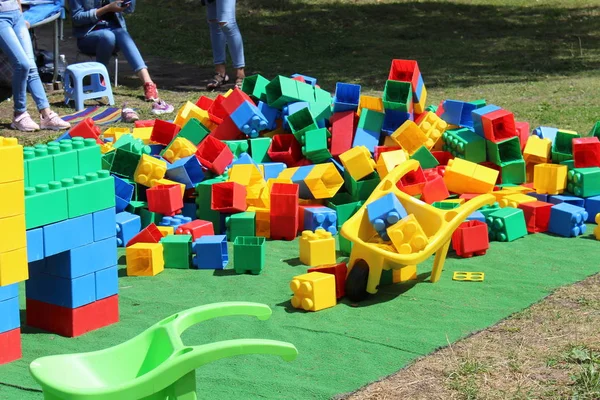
(356, 282)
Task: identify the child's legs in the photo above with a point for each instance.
(217, 36)
(100, 43)
(126, 44)
(225, 16)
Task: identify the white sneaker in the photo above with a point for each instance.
(54, 122)
(24, 123)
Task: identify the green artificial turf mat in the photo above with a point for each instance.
(340, 349)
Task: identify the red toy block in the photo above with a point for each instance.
(284, 211)
(196, 228)
(384, 149)
(343, 126)
(442, 156)
(216, 112)
(405, 71)
(522, 133)
(164, 132)
(340, 271)
(413, 182)
(10, 346)
(435, 188)
(440, 109)
(228, 197)
(499, 125)
(471, 238)
(145, 123)
(299, 79)
(204, 103)
(86, 129)
(227, 130)
(149, 234)
(165, 199)
(301, 209)
(586, 152)
(284, 228)
(233, 101)
(441, 170)
(72, 322)
(468, 196)
(537, 215)
(214, 155)
(285, 149)
(303, 162)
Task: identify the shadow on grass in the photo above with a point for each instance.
(455, 44)
(26, 329)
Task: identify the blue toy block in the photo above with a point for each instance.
(35, 245)
(567, 220)
(245, 158)
(545, 132)
(11, 317)
(175, 221)
(273, 169)
(271, 114)
(393, 119)
(189, 210)
(476, 216)
(123, 193)
(65, 135)
(68, 234)
(476, 115)
(107, 282)
(418, 91)
(346, 97)
(364, 137)
(9, 291)
(248, 118)
(128, 225)
(104, 224)
(298, 177)
(592, 206)
(156, 149)
(308, 79)
(540, 197)
(459, 113)
(187, 171)
(69, 293)
(384, 212)
(575, 201)
(210, 252)
(83, 260)
(320, 218)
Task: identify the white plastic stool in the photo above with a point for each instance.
(77, 92)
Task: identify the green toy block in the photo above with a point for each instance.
(305, 92)
(506, 151)
(301, 122)
(240, 224)
(506, 224)
(569, 163)
(361, 190)
(425, 158)
(237, 147)
(345, 245)
(64, 159)
(562, 147)
(45, 204)
(203, 200)
(479, 103)
(397, 95)
(595, 130)
(136, 206)
(259, 148)
(513, 172)
(466, 144)
(255, 86)
(148, 217)
(489, 209)
(371, 120)
(431, 108)
(321, 108)
(314, 145)
(39, 165)
(89, 155)
(177, 251)
(125, 163)
(249, 254)
(445, 205)
(194, 131)
(280, 91)
(90, 193)
(344, 211)
(107, 160)
(584, 182)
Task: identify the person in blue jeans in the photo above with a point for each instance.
(100, 30)
(224, 32)
(15, 43)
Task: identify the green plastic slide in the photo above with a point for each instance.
(153, 365)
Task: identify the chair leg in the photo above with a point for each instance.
(116, 70)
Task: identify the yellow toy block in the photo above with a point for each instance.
(262, 221)
(106, 147)
(484, 180)
(389, 160)
(520, 189)
(145, 259)
(407, 235)
(166, 230)
(389, 142)
(501, 194)
(143, 133)
(324, 181)
(537, 151)
(468, 276)
(11, 161)
(317, 248)
(165, 181)
(410, 137)
(12, 233)
(514, 200)
(286, 175)
(115, 133)
(550, 178)
(420, 106)
(227, 93)
(371, 103)
(597, 228)
(313, 291)
(249, 176)
(464, 176)
(202, 116)
(183, 114)
(13, 267)
(271, 181)
(149, 170)
(433, 126)
(179, 148)
(12, 197)
(263, 200)
(358, 162)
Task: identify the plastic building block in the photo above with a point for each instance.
(285, 149)
(166, 230)
(39, 165)
(557, 199)
(149, 170)
(313, 291)
(411, 138)
(586, 152)
(320, 218)
(249, 119)
(506, 224)
(64, 292)
(596, 230)
(214, 155)
(240, 224)
(196, 229)
(425, 158)
(9, 309)
(476, 216)
(545, 132)
(389, 160)
(237, 147)
(250, 177)
(463, 176)
(284, 211)
(13, 267)
(280, 91)
(407, 236)
(397, 96)
(90, 193)
(163, 132)
(35, 245)
(323, 181)
(194, 131)
(562, 146)
(371, 120)
(270, 113)
(86, 129)
(567, 220)
(458, 113)
(433, 126)
(468, 276)
(584, 182)
(516, 199)
(445, 205)
(339, 271)
(12, 233)
(73, 322)
(413, 182)
(187, 171)
(174, 221)
(505, 151)
(11, 155)
(315, 145)
(406, 71)
(259, 148)
(107, 282)
(361, 190)
(301, 122)
(64, 159)
(370, 103)
(537, 150)
(177, 149)
(124, 162)
(11, 194)
(104, 224)
(384, 212)
(272, 170)
(228, 197)
(471, 238)
(463, 143)
(150, 234)
(298, 175)
(358, 162)
(210, 252)
(550, 178)
(177, 251)
(537, 215)
(346, 98)
(10, 346)
(123, 193)
(255, 86)
(145, 259)
(393, 120)
(165, 199)
(592, 206)
(249, 254)
(366, 138)
(342, 132)
(434, 189)
(67, 235)
(127, 226)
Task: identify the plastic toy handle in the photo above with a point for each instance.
(388, 183)
(210, 352)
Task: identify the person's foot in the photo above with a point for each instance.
(129, 115)
(217, 81)
(24, 123)
(239, 81)
(150, 91)
(53, 122)
(161, 107)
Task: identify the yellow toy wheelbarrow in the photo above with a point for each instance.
(368, 259)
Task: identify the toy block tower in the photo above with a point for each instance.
(13, 247)
(70, 219)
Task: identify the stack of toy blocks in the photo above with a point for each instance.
(70, 219)
(13, 247)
